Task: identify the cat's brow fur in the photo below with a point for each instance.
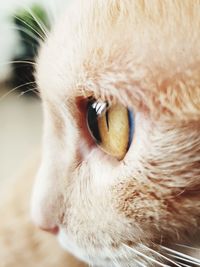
(144, 54)
(154, 53)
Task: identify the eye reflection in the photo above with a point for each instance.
(111, 127)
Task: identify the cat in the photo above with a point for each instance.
(110, 202)
(119, 178)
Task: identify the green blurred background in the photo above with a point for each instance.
(20, 108)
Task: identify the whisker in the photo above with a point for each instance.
(162, 256)
(184, 265)
(30, 27)
(145, 256)
(186, 246)
(140, 263)
(28, 32)
(11, 91)
(183, 259)
(19, 62)
(41, 25)
(184, 256)
(114, 260)
(29, 90)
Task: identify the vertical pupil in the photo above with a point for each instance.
(92, 120)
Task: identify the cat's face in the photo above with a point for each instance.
(140, 55)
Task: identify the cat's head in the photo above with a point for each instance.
(120, 84)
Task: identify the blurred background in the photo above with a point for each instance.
(22, 27)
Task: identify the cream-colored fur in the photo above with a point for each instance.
(21, 244)
(144, 54)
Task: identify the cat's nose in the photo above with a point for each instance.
(45, 203)
(44, 212)
(44, 223)
(52, 230)
(43, 219)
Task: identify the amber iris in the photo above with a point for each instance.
(111, 127)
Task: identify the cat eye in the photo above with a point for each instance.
(111, 127)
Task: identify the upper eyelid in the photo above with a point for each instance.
(88, 95)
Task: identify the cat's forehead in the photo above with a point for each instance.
(130, 46)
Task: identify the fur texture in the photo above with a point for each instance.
(21, 244)
(144, 54)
